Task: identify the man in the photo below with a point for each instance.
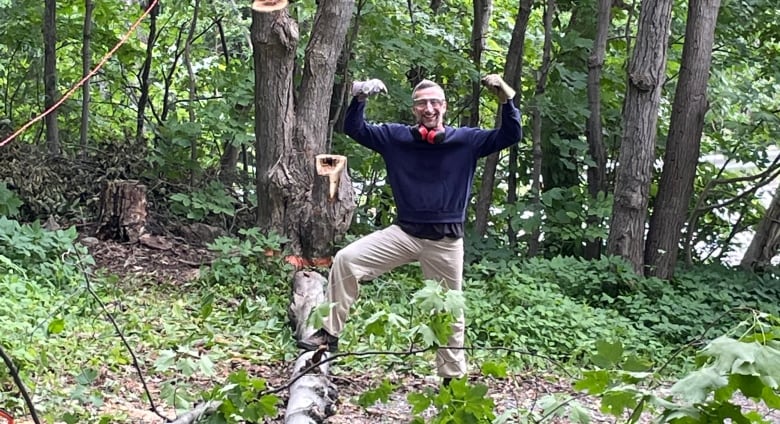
(430, 168)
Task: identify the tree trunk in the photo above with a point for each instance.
(513, 70)
(536, 123)
(143, 78)
(646, 76)
(293, 201)
(122, 211)
(312, 396)
(86, 64)
(50, 75)
(483, 9)
(597, 173)
(684, 141)
(192, 91)
(766, 240)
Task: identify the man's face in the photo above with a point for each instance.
(428, 106)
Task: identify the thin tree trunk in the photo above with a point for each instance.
(646, 76)
(192, 91)
(597, 173)
(50, 75)
(483, 9)
(512, 73)
(143, 79)
(536, 124)
(86, 61)
(683, 142)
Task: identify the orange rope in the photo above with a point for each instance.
(6, 417)
(83, 80)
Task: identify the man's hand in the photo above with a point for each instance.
(496, 85)
(364, 89)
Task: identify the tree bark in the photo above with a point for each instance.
(536, 125)
(143, 78)
(192, 90)
(646, 76)
(597, 173)
(683, 142)
(293, 201)
(50, 75)
(483, 9)
(312, 396)
(513, 71)
(766, 239)
(86, 64)
(122, 211)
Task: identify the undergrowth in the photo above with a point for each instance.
(200, 340)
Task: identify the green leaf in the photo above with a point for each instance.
(86, 376)
(608, 354)
(380, 393)
(430, 298)
(594, 382)
(578, 414)
(268, 404)
(617, 401)
(419, 402)
(375, 324)
(56, 326)
(696, 386)
(494, 369)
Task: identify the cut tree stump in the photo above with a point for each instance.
(312, 396)
(122, 211)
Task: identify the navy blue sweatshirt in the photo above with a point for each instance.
(431, 183)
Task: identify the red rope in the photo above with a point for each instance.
(83, 80)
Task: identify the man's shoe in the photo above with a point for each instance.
(318, 339)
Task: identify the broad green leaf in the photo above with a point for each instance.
(696, 386)
(419, 402)
(617, 401)
(494, 369)
(594, 382)
(56, 326)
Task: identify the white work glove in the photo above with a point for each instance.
(496, 85)
(363, 89)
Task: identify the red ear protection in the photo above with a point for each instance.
(429, 136)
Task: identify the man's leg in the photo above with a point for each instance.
(364, 259)
(442, 260)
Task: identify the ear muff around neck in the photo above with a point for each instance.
(430, 136)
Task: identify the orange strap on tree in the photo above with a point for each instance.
(5, 417)
(299, 262)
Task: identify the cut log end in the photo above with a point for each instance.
(265, 6)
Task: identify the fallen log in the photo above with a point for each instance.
(197, 413)
(312, 396)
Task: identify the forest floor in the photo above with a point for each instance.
(179, 262)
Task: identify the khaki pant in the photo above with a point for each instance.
(381, 251)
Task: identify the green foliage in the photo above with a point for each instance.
(248, 263)
(241, 400)
(51, 256)
(211, 200)
(9, 201)
(725, 367)
(460, 402)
